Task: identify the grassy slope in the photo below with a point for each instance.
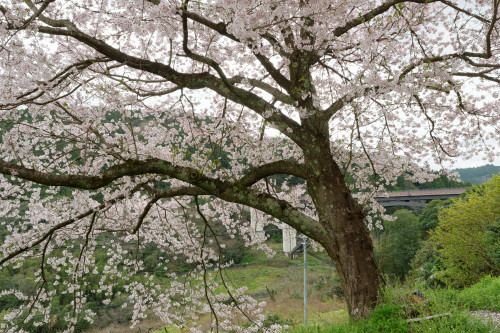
(398, 305)
(279, 282)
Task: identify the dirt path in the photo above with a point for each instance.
(488, 316)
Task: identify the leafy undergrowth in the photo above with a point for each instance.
(399, 304)
(484, 295)
(387, 319)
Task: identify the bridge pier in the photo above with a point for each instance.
(413, 198)
(256, 221)
(257, 225)
(289, 239)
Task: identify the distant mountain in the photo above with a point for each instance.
(478, 175)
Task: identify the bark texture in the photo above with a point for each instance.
(347, 240)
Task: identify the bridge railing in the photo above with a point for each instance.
(421, 192)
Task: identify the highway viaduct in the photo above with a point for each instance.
(409, 198)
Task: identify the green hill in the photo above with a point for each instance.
(478, 175)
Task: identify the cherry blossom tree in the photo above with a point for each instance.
(309, 89)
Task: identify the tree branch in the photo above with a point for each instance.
(61, 225)
(160, 194)
(273, 168)
(183, 80)
(237, 192)
(221, 28)
(372, 14)
(275, 92)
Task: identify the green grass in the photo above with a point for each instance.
(485, 295)
(458, 323)
(398, 305)
(279, 282)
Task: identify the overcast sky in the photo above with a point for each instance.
(472, 163)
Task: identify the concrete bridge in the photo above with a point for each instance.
(416, 198)
(412, 198)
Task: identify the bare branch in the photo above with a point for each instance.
(207, 225)
(275, 92)
(222, 29)
(372, 14)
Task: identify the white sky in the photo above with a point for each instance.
(472, 163)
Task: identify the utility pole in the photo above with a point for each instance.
(304, 244)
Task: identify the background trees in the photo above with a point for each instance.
(310, 89)
(465, 236)
(399, 243)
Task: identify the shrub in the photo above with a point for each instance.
(399, 243)
(492, 239)
(461, 235)
(426, 264)
(398, 304)
(274, 319)
(485, 295)
(386, 318)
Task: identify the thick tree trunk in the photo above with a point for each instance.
(352, 251)
(347, 241)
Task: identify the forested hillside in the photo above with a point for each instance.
(478, 175)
